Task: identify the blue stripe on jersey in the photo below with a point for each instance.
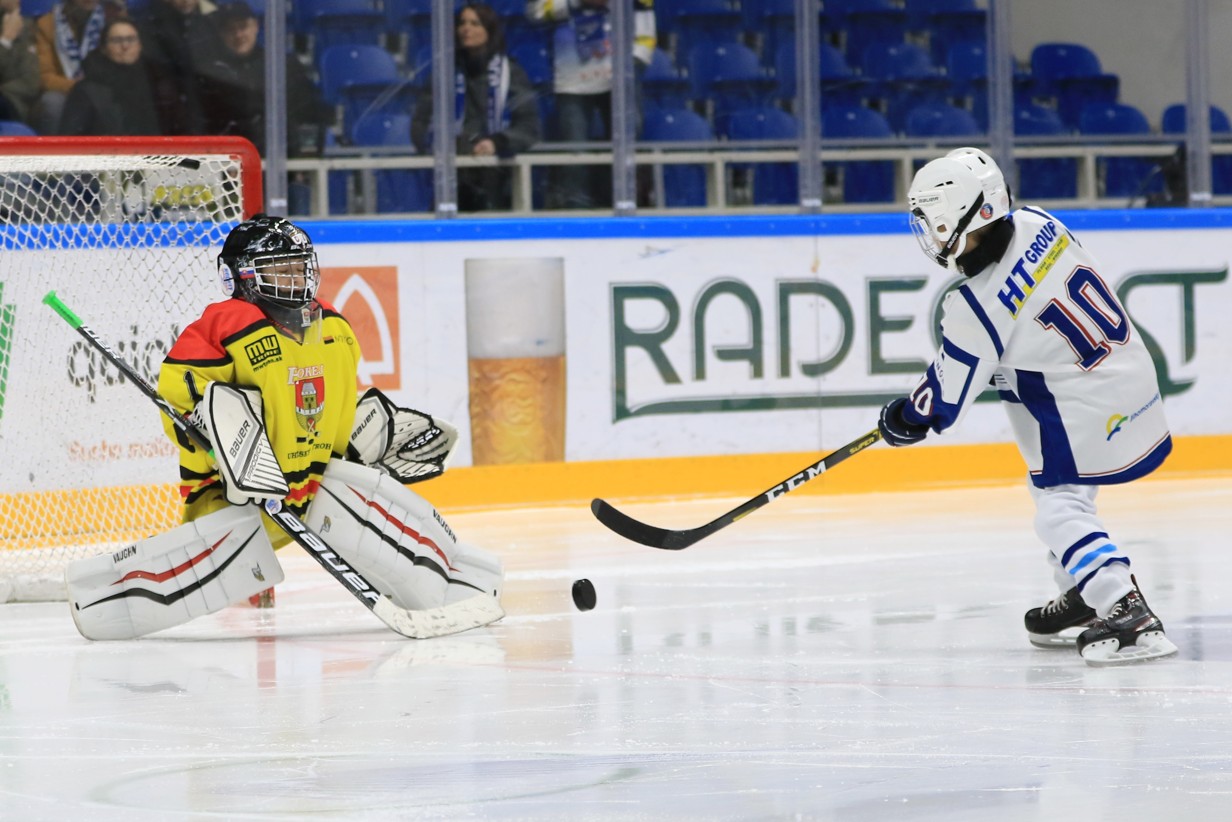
(944, 413)
(1059, 465)
(1087, 540)
(982, 316)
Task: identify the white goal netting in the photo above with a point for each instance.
(126, 233)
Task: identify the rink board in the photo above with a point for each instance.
(702, 355)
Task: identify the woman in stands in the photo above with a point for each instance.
(120, 94)
(497, 113)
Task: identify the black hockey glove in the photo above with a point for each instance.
(897, 431)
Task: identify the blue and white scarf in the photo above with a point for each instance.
(71, 52)
(498, 96)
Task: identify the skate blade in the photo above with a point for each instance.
(1065, 638)
(1151, 645)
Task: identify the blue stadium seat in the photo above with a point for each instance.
(396, 191)
(16, 128)
(729, 74)
(690, 23)
(683, 185)
(967, 71)
(840, 85)
(339, 22)
(903, 76)
(936, 119)
(775, 22)
(869, 22)
(1123, 176)
(773, 183)
(663, 86)
(1044, 178)
(363, 79)
(411, 19)
(1071, 73)
(1173, 122)
(864, 181)
(947, 23)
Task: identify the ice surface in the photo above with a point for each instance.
(831, 658)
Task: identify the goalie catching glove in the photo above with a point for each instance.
(408, 445)
(231, 418)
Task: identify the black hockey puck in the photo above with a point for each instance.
(583, 594)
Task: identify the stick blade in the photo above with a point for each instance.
(639, 532)
(472, 612)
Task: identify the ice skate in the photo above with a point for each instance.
(1130, 633)
(1058, 624)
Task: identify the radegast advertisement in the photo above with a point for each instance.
(758, 345)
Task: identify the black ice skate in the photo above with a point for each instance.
(1130, 633)
(1057, 624)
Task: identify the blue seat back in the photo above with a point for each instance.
(1044, 178)
(864, 181)
(683, 185)
(940, 120)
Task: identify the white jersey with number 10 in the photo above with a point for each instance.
(1072, 371)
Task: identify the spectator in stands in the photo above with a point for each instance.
(120, 93)
(19, 70)
(582, 83)
(63, 37)
(180, 37)
(497, 112)
(233, 88)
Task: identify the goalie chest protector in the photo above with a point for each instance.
(308, 388)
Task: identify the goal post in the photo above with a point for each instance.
(125, 230)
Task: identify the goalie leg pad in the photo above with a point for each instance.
(192, 570)
(397, 540)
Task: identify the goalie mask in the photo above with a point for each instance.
(270, 261)
(953, 196)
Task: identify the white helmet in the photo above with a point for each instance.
(952, 196)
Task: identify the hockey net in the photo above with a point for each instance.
(126, 231)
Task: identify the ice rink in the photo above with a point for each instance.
(829, 658)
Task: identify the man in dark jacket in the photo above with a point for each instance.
(19, 69)
(179, 37)
(233, 88)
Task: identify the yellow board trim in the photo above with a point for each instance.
(148, 509)
(878, 469)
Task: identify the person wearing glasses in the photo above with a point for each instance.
(63, 37)
(120, 94)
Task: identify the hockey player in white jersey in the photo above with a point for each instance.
(1036, 319)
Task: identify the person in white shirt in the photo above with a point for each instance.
(1036, 319)
(582, 86)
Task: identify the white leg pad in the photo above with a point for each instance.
(397, 540)
(192, 570)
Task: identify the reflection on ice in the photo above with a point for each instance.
(836, 658)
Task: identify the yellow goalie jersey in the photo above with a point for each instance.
(308, 390)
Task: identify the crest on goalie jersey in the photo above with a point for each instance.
(309, 395)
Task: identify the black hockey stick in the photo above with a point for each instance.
(669, 540)
(448, 619)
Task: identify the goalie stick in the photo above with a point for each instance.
(670, 540)
(472, 612)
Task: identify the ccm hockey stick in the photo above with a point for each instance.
(433, 622)
(669, 540)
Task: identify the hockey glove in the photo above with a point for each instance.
(895, 429)
(408, 445)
